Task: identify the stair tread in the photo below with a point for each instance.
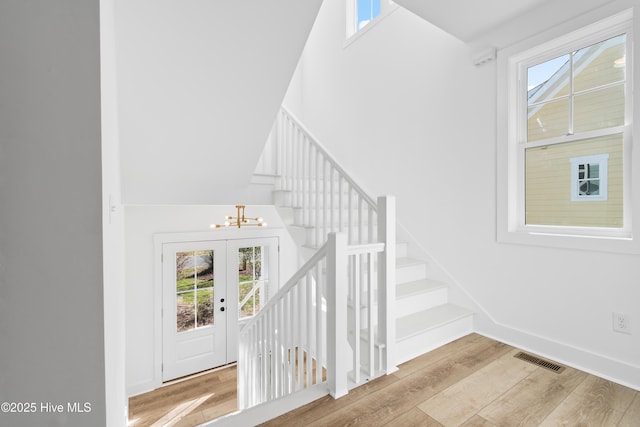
(404, 290)
(413, 324)
(408, 262)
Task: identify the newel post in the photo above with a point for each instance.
(387, 280)
(337, 314)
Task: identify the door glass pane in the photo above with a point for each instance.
(205, 306)
(185, 312)
(194, 289)
(252, 280)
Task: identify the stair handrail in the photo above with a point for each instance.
(286, 288)
(370, 201)
(329, 199)
(342, 279)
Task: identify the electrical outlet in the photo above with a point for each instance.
(621, 323)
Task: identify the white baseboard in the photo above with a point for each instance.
(267, 411)
(618, 371)
(139, 388)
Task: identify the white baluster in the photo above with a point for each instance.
(309, 325)
(350, 215)
(318, 161)
(319, 347)
(355, 259)
(370, 291)
(340, 205)
(307, 200)
(325, 203)
(360, 221)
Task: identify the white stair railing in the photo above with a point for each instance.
(298, 339)
(329, 199)
(333, 321)
(337, 304)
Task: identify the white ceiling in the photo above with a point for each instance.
(496, 22)
(469, 20)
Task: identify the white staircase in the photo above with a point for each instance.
(314, 196)
(425, 320)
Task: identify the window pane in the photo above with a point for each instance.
(185, 279)
(589, 187)
(367, 11)
(548, 184)
(600, 109)
(548, 80)
(204, 277)
(185, 311)
(194, 271)
(205, 307)
(600, 64)
(251, 279)
(548, 120)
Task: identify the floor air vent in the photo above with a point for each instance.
(540, 362)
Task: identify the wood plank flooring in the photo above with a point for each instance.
(188, 402)
(473, 381)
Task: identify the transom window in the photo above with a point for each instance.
(366, 11)
(569, 130)
(362, 14)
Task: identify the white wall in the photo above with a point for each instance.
(406, 112)
(51, 273)
(142, 314)
(200, 83)
(112, 226)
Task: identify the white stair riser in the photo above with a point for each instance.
(413, 303)
(410, 273)
(402, 250)
(431, 339)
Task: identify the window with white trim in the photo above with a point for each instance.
(366, 11)
(362, 14)
(569, 133)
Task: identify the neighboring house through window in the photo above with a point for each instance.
(569, 128)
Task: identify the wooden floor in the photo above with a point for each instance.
(473, 381)
(186, 403)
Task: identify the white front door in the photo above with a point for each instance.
(209, 289)
(194, 320)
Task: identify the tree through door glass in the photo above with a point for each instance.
(194, 289)
(252, 280)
